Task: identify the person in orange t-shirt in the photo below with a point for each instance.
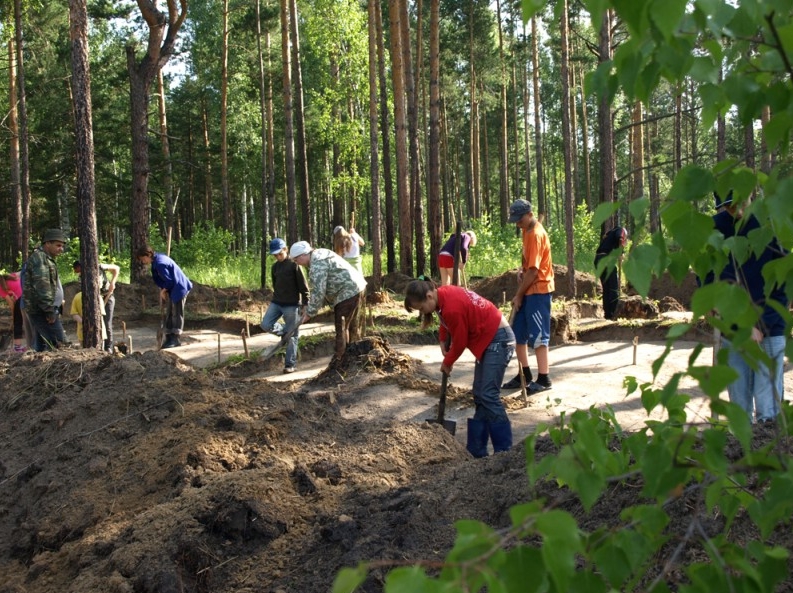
(532, 301)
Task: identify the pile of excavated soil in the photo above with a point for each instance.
(142, 474)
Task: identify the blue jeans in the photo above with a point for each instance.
(489, 374)
(290, 314)
(759, 392)
(49, 336)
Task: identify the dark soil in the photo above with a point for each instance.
(143, 474)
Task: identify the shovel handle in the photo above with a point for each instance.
(442, 401)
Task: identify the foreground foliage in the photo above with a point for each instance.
(739, 56)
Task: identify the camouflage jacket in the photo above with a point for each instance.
(40, 283)
(332, 280)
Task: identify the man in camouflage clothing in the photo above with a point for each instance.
(43, 292)
(335, 282)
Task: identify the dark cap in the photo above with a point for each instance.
(518, 209)
(725, 202)
(54, 235)
(77, 264)
(277, 246)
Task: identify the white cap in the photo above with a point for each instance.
(299, 248)
(338, 229)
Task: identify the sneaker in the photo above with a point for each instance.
(278, 329)
(288, 370)
(535, 387)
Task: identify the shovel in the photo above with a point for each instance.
(281, 343)
(161, 331)
(449, 425)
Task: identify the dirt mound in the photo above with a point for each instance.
(144, 474)
(500, 289)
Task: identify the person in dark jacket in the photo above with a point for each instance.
(613, 240)
(290, 292)
(174, 287)
(43, 292)
(759, 388)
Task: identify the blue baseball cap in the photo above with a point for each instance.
(276, 246)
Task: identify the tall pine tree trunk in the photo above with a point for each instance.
(24, 153)
(84, 154)
(224, 110)
(13, 160)
(567, 142)
(374, 161)
(541, 205)
(401, 148)
(160, 48)
(385, 132)
(301, 164)
(289, 137)
(503, 177)
(265, 202)
(433, 200)
(606, 126)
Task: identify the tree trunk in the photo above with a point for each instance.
(678, 158)
(162, 39)
(170, 202)
(289, 138)
(400, 125)
(476, 172)
(265, 203)
(585, 147)
(224, 110)
(415, 220)
(526, 127)
(207, 162)
(17, 219)
(606, 131)
(301, 164)
(24, 153)
(434, 176)
(84, 154)
(535, 75)
(567, 141)
(637, 152)
(385, 133)
(503, 177)
(374, 161)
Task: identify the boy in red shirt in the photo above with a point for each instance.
(468, 320)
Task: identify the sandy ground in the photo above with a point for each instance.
(584, 375)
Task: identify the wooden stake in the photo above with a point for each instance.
(247, 327)
(124, 331)
(244, 334)
(635, 348)
(218, 347)
(129, 344)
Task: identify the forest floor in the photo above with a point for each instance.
(167, 471)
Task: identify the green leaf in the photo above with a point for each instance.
(603, 212)
(691, 183)
(349, 579)
(561, 544)
(409, 579)
(666, 16)
(639, 266)
(524, 570)
(689, 228)
(777, 130)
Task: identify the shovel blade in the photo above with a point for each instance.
(449, 425)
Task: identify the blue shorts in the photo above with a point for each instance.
(532, 324)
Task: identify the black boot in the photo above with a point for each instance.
(514, 383)
(500, 435)
(477, 437)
